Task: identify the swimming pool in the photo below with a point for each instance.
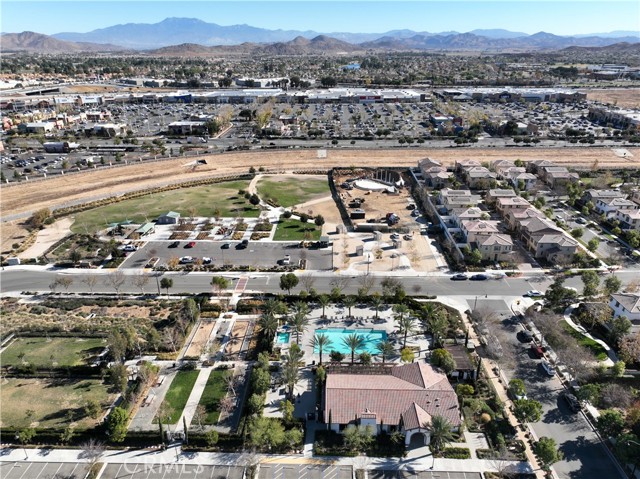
(283, 338)
(371, 338)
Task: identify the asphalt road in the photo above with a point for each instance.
(585, 457)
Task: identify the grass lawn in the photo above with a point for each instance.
(292, 191)
(215, 390)
(54, 402)
(54, 351)
(178, 394)
(293, 230)
(204, 199)
(588, 343)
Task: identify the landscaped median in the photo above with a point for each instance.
(177, 396)
(597, 349)
(214, 391)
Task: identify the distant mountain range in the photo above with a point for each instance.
(193, 36)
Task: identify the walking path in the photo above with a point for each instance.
(613, 358)
(194, 399)
(174, 455)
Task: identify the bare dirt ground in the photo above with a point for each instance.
(12, 233)
(237, 337)
(622, 97)
(200, 338)
(47, 238)
(54, 192)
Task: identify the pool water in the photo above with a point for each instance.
(283, 338)
(371, 338)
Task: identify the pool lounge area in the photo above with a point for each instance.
(337, 335)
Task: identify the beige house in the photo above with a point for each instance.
(629, 219)
(496, 247)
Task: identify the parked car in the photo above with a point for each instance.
(525, 336)
(175, 244)
(206, 260)
(190, 244)
(479, 277)
(186, 260)
(243, 244)
(129, 247)
(459, 277)
(533, 293)
(537, 351)
(547, 368)
(225, 246)
(571, 400)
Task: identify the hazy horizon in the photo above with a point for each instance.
(559, 18)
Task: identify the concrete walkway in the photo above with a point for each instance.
(174, 455)
(194, 399)
(613, 358)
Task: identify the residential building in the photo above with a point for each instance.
(504, 204)
(591, 196)
(396, 398)
(170, 218)
(626, 304)
(479, 177)
(629, 218)
(492, 195)
(495, 247)
(609, 206)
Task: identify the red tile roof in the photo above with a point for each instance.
(389, 396)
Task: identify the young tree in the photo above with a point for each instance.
(527, 410)
(291, 368)
(117, 424)
(385, 349)
(612, 284)
(166, 283)
(324, 301)
(407, 355)
(118, 377)
(349, 302)
(591, 282)
(288, 281)
(547, 451)
(443, 359)
(358, 438)
(90, 280)
(116, 280)
(92, 408)
(140, 280)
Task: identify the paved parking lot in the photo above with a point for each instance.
(256, 254)
(388, 474)
(42, 470)
(304, 471)
(170, 471)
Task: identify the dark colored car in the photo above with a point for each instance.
(225, 246)
(572, 401)
(175, 244)
(243, 244)
(190, 244)
(537, 351)
(525, 336)
(479, 277)
(459, 277)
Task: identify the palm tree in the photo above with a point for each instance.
(269, 325)
(291, 368)
(376, 302)
(273, 307)
(321, 342)
(354, 342)
(299, 323)
(386, 349)
(406, 325)
(400, 311)
(324, 301)
(300, 307)
(440, 431)
(349, 302)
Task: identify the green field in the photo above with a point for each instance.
(293, 230)
(599, 352)
(52, 352)
(214, 391)
(204, 200)
(292, 191)
(178, 394)
(54, 402)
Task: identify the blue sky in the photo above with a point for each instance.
(559, 17)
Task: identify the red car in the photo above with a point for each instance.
(190, 244)
(537, 351)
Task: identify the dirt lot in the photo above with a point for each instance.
(237, 337)
(200, 339)
(101, 183)
(622, 97)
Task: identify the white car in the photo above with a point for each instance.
(533, 293)
(546, 366)
(129, 247)
(186, 260)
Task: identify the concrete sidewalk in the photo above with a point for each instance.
(174, 455)
(613, 358)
